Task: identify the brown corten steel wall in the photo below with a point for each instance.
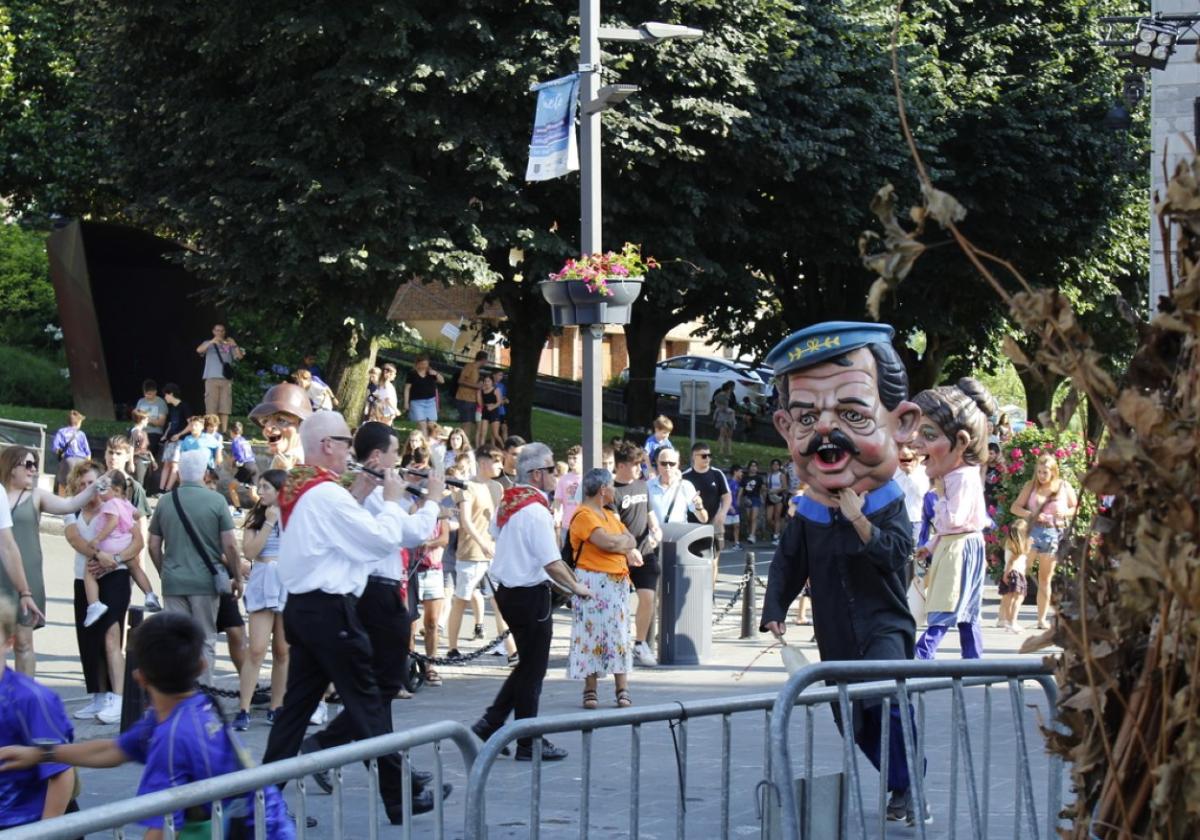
(90, 387)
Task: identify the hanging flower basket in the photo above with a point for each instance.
(597, 288)
(573, 303)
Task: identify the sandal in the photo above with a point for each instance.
(591, 700)
(432, 677)
(404, 694)
(624, 700)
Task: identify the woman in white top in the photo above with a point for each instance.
(100, 646)
(777, 497)
(265, 598)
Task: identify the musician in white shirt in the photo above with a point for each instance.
(527, 558)
(330, 545)
(382, 611)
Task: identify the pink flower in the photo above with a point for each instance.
(1017, 454)
(1035, 450)
(991, 510)
(1060, 453)
(1012, 468)
(1031, 424)
(1073, 447)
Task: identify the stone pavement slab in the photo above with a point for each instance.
(467, 690)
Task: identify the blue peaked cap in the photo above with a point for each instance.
(823, 342)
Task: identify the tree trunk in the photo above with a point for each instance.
(352, 355)
(528, 324)
(924, 372)
(525, 350)
(1039, 394)
(644, 336)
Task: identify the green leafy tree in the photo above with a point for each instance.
(26, 297)
(49, 152)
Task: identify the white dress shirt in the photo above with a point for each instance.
(525, 546)
(677, 499)
(418, 526)
(915, 486)
(331, 542)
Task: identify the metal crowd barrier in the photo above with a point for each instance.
(949, 676)
(115, 815)
(678, 714)
(903, 680)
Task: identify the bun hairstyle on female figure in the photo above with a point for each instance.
(962, 407)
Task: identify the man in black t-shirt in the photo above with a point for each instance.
(714, 492)
(632, 501)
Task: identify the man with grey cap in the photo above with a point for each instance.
(527, 559)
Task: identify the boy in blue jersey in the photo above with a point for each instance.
(181, 739)
(31, 715)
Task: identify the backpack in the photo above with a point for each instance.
(570, 556)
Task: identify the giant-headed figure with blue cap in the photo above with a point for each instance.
(844, 412)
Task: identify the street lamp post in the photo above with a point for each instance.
(595, 101)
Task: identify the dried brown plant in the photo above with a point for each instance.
(1130, 631)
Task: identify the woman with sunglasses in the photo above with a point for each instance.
(25, 503)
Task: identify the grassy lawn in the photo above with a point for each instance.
(555, 430)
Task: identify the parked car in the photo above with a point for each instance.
(715, 371)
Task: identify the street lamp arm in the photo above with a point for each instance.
(650, 32)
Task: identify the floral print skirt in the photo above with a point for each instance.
(600, 637)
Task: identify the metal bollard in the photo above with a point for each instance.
(133, 701)
(749, 623)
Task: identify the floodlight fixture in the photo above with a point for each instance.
(651, 32)
(608, 96)
(1153, 43)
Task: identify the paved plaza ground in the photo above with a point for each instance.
(468, 690)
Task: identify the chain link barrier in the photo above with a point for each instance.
(737, 594)
(441, 661)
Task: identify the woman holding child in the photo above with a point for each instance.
(26, 502)
(100, 645)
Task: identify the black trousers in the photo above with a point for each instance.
(527, 611)
(114, 591)
(329, 645)
(385, 618)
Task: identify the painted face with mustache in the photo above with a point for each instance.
(838, 430)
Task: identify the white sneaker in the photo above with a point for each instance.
(644, 656)
(320, 715)
(152, 603)
(111, 713)
(89, 711)
(94, 611)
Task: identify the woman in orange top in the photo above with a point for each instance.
(604, 551)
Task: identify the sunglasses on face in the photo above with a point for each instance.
(668, 463)
(704, 455)
(30, 464)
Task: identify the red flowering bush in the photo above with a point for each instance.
(1020, 457)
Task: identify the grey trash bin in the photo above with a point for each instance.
(685, 632)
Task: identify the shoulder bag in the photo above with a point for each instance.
(221, 581)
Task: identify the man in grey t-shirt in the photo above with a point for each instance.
(187, 582)
(218, 351)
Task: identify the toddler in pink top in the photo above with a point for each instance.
(114, 534)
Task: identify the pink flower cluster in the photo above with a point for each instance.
(595, 270)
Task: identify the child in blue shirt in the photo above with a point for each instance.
(181, 739)
(31, 715)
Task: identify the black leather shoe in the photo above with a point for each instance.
(549, 752)
(483, 732)
(422, 803)
(421, 778)
(323, 778)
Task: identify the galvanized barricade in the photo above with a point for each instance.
(586, 723)
(903, 680)
(934, 677)
(115, 815)
(32, 435)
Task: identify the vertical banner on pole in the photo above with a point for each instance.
(553, 151)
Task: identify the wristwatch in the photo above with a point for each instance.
(47, 748)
